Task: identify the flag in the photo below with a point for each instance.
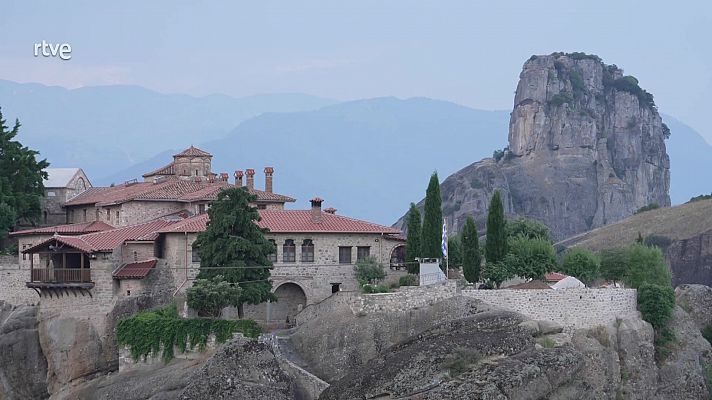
(444, 243)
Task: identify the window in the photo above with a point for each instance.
(117, 217)
(195, 254)
(307, 250)
(71, 216)
(289, 251)
(344, 254)
(201, 208)
(85, 215)
(362, 253)
(196, 172)
(45, 217)
(51, 194)
(96, 217)
(135, 256)
(261, 206)
(108, 215)
(335, 287)
(273, 256)
(24, 256)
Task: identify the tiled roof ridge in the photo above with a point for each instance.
(164, 170)
(193, 151)
(329, 215)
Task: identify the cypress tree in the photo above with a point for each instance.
(471, 258)
(496, 243)
(412, 246)
(431, 237)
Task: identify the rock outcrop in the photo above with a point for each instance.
(586, 148)
(23, 367)
(696, 300)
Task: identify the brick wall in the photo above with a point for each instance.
(578, 308)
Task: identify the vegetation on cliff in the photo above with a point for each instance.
(159, 331)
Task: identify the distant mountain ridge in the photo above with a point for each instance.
(103, 129)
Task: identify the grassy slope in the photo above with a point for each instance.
(677, 223)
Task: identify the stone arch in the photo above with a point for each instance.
(397, 259)
(291, 298)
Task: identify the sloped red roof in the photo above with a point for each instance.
(69, 229)
(554, 276)
(165, 170)
(194, 152)
(137, 270)
(170, 190)
(107, 241)
(535, 285)
(292, 221)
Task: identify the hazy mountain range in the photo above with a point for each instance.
(367, 158)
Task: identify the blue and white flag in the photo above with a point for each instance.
(444, 244)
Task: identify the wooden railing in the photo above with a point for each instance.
(61, 275)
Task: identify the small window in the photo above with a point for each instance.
(96, 217)
(362, 253)
(262, 206)
(201, 208)
(307, 251)
(51, 194)
(135, 256)
(117, 217)
(108, 215)
(196, 172)
(85, 215)
(45, 217)
(335, 287)
(273, 256)
(24, 256)
(195, 254)
(289, 251)
(344, 254)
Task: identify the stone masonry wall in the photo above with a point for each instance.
(12, 283)
(577, 308)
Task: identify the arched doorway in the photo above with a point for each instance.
(290, 300)
(398, 257)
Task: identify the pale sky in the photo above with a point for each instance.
(468, 52)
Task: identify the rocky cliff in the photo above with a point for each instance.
(586, 148)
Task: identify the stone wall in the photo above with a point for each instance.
(577, 308)
(134, 212)
(12, 283)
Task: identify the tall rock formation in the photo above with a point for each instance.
(586, 148)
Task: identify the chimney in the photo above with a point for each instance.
(250, 179)
(238, 178)
(211, 177)
(223, 176)
(269, 171)
(330, 210)
(316, 210)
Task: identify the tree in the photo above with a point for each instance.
(431, 237)
(21, 177)
(412, 244)
(647, 265)
(656, 303)
(496, 241)
(368, 271)
(527, 228)
(471, 258)
(581, 263)
(614, 264)
(210, 296)
(530, 258)
(454, 251)
(234, 247)
(498, 272)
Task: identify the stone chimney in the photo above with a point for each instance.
(269, 171)
(316, 210)
(224, 176)
(238, 178)
(330, 210)
(250, 179)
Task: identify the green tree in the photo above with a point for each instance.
(614, 264)
(234, 247)
(412, 244)
(581, 264)
(471, 257)
(656, 303)
(369, 271)
(647, 265)
(527, 228)
(210, 296)
(21, 177)
(454, 251)
(431, 237)
(530, 258)
(498, 272)
(496, 241)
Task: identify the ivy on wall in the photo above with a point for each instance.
(151, 332)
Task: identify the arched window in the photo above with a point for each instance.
(273, 256)
(195, 254)
(81, 185)
(289, 251)
(307, 250)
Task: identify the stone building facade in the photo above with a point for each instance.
(61, 185)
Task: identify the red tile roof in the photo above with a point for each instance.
(193, 151)
(170, 190)
(70, 229)
(536, 285)
(107, 241)
(137, 270)
(293, 221)
(554, 276)
(165, 170)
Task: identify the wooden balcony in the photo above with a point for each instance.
(61, 275)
